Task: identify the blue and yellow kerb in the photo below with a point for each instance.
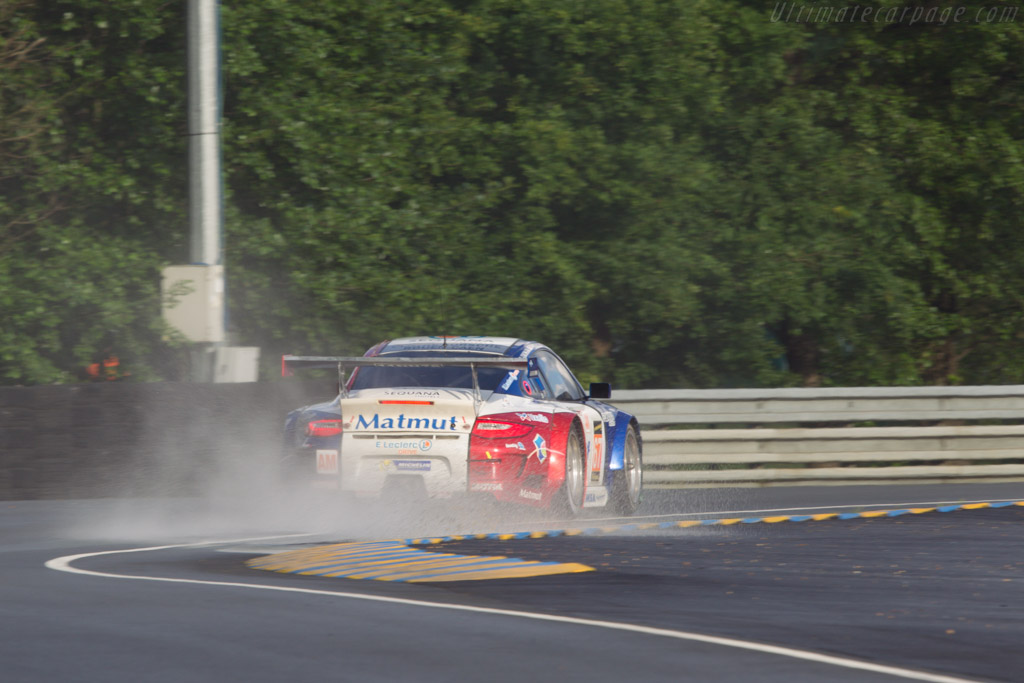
(397, 561)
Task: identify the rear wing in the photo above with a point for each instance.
(291, 363)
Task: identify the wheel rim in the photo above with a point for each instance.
(574, 471)
(631, 465)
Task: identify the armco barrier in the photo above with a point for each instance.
(820, 436)
(87, 440)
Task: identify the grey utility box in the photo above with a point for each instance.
(236, 364)
(193, 301)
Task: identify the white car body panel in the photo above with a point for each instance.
(401, 438)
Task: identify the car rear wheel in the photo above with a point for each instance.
(572, 489)
(627, 488)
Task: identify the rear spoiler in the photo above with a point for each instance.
(291, 363)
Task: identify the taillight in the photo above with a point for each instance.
(495, 429)
(323, 428)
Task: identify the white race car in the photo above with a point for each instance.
(451, 415)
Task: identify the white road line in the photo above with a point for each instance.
(64, 564)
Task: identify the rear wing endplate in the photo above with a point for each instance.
(291, 363)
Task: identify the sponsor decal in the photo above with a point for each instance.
(326, 461)
(404, 465)
(411, 465)
(512, 376)
(607, 412)
(542, 450)
(486, 486)
(598, 446)
(457, 336)
(596, 497)
(411, 392)
(517, 446)
(533, 417)
(527, 389)
(530, 495)
(411, 446)
(402, 422)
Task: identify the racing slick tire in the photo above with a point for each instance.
(627, 488)
(570, 496)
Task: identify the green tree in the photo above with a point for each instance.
(880, 173)
(90, 183)
(670, 193)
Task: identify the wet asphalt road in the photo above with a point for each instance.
(938, 592)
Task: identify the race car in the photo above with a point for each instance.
(440, 416)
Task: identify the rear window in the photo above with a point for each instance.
(452, 376)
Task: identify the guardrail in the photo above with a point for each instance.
(696, 437)
(116, 438)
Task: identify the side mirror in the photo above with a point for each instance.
(600, 390)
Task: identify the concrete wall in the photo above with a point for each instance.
(122, 438)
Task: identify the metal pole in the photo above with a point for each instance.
(204, 133)
(205, 201)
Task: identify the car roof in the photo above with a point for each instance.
(500, 346)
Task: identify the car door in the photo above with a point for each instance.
(561, 387)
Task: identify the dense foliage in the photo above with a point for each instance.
(669, 192)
